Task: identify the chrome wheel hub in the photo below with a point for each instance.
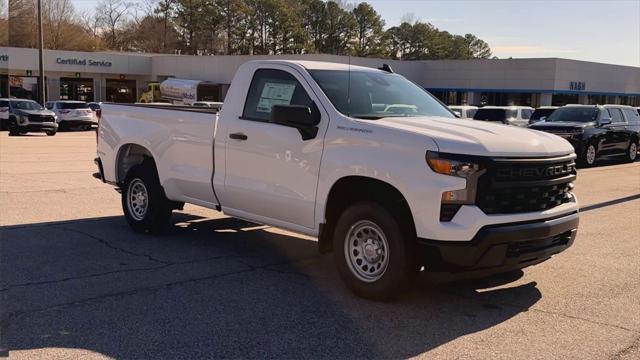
(633, 151)
(591, 154)
(137, 199)
(366, 251)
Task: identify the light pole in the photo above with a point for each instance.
(41, 84)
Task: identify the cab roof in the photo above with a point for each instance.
(320, 65)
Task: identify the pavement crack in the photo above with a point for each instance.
(88, 276)
(629, 350)
(113, 247)
(250, 268)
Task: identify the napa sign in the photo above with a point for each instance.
(83, 62)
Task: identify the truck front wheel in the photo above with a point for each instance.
(372, 252)
(144, 203)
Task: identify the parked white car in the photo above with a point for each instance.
(72, 114)
(464, 111)
(509, 115)
(388, 191)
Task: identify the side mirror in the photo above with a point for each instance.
(605, 121)
(303, 118)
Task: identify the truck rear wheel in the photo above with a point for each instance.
(144, 203)
(372, 252)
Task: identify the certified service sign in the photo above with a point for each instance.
(83, 62)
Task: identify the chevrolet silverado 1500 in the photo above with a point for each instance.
(374, 166)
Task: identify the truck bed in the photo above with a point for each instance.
(180, 138)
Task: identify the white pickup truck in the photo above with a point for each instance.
(370, 163)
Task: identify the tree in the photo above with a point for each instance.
(166, 12)
(111, 16)
(4, 23)
(314, 22)
(340, 30)
(370, 31)
(478, 48)
(232, 12)
(191, 22)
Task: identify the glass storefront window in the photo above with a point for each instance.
(76, 89)
(564, 99)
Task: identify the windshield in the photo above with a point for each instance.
(494, 114)
(574, 114)
(26, 105)
(64, 105)
(376, 95)
(539, 113)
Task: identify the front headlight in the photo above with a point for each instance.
(452, 167)
(456, 165)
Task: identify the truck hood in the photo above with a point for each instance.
(481, 138)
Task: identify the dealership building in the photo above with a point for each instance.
(123, 77)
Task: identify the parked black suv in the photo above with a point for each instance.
(596, 130)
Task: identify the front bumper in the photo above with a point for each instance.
(38, 127)
(501, 248)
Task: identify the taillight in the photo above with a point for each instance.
(4, 109)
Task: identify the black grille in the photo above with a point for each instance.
(40, 118)
(525, 186)
(559, 130)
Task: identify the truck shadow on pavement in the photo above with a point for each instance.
(221, 288)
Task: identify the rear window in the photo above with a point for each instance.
(4, 103)
(471, 113)
(494, 114)
(73, 105)
(94, 106)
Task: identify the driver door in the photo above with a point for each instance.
(271, 173)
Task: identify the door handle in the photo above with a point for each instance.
(238, 136)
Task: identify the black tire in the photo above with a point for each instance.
(158, 209)
(400, 267)
(13, 131)
(50, 133)
(585, 160)
(632, 151)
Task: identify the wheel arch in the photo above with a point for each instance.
(349, 189)
(130, 155)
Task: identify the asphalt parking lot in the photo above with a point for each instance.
(77, 283)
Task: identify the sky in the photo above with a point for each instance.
(605, 31)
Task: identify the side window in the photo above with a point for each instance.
(631, 115)
(272, 87)
(616, 116)
(526, 114)
(471, 113)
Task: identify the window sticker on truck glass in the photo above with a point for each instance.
(275, 93)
